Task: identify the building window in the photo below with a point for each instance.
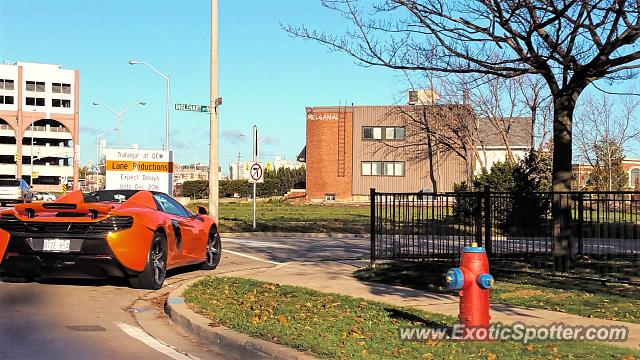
(634, 177)
(8, 100)
(6, 84)
(31, 101)
(371, 168)
(60, 88)
(375, 133)
(393, 168)
(330, 197)
(372, 133)
(60, 103)
(37, 86)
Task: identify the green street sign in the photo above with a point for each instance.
(192, 107)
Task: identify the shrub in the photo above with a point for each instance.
(276, 183)
(196, 189)
(524, 208)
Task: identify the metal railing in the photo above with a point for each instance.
(48, 129)
(508, 225)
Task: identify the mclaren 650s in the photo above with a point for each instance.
(135, 234)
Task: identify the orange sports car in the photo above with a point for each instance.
(135, 234)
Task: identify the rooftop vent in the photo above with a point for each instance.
(423, 97)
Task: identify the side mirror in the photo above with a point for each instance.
(202, 210)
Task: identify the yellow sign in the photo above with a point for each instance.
(64, 188)
(145, 166)
(35, 174)
(17, 157)
(267, 167)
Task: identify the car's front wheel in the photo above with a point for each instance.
(152, 277)
(213, 252)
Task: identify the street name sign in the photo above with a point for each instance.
(192, 107)
(256, 173)
(139, 170)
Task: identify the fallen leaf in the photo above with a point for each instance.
(282, 320)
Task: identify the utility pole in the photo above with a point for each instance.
(213, 115)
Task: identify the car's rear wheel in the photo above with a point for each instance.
(155, 270)
(213, 252)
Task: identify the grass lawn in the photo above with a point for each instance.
(585, 298)
(342, 327)
(277, 216)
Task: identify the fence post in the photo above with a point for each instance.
(478, 218)
(580, 223)
(372, 198)
(487, 220)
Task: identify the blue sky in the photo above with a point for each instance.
(266, 77)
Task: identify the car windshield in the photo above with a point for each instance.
(108, 196)
(9, 182)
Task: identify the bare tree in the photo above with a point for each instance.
(435, 132)
(602, 137)
(537, 99)
(569, 43)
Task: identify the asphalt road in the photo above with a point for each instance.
(92, 319)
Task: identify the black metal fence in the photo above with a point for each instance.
(508, 225)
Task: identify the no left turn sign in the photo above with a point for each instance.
(256, 173)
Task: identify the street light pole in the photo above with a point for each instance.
(214, 102)
(33, 116)
(166, 116)
(168, 79)
(97, 159)
(119, 113)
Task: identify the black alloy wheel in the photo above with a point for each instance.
(213, 252)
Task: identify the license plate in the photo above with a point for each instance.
(56, 245)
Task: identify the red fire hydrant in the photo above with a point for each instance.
(473, 280)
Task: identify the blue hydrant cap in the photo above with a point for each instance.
(473, 249)
(485, 281)
(454, 279)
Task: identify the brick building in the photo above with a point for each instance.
(347, 152)
(582, 172)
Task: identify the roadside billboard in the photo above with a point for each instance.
(139, 170)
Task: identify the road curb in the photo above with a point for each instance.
(235, 344)
(243, 235)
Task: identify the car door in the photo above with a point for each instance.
(184, 226)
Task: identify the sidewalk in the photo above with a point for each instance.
(336, 278)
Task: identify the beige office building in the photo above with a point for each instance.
(39, 122)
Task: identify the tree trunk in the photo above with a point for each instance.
(434, 181)
(564, 106)
(534, 111)
(432, 176)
